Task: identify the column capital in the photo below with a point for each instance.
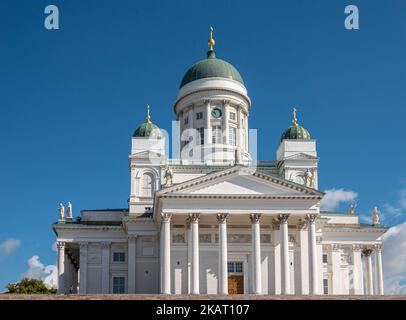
(311, 218)
(60, 245)
(366, 251)
(255, 217)
(83, 245)
(283, 218)
(166, 217)
(105, 244)
(194, 217)
(356, 247)
(222, 217)
(226, 102)
(132, 237)
(378, 247)
(335, 247)
(207, 102)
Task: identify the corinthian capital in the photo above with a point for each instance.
(311, 218)
(283, 218)
(60, 245)
(254, 217)
(166, 217)
(378, 247)
(194, 217)
(222, 217)
(367, 251)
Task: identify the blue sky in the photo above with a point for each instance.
(71, 98)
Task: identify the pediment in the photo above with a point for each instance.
(240, 181)
(301, 156)
(146, 155)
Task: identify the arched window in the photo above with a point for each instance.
(147, 185)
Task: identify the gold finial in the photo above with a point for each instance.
(211, 42)
(148, 115)
(294, 116)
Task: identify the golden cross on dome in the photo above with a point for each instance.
(294, 116)
(148, 115)
(211, 42)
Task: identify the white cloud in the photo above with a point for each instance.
(394, 259)
(334, 197)
(37, 270)
(392, 212)
(9, 245)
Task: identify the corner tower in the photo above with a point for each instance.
(212, 108)
(147, 162)
(297, 155)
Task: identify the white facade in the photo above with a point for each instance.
(220, 223)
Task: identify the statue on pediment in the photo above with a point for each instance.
(351, 210)
(61, 212)
(309, 179)
(375, 217)
(168, 177)
(70, 211)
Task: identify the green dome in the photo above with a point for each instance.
(148, 130)
(211, 67)
(296, 132)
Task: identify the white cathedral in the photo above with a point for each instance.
(213, 219)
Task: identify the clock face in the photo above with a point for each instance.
(216, 113)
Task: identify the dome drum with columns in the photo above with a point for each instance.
(223, 223)
(214, 101)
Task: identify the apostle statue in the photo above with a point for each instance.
(61, 212)
(375, 217)
(352, 208)
(69, 213)
(168, 177)
(309, 178)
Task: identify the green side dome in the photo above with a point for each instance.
(211, 68)
(296, 132)
(148, 130)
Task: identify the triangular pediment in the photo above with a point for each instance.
(301, 156)
(146, 155)
(240, 181)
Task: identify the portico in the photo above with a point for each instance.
(258, 229)
(253, 215)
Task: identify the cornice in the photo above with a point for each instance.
(231, 196)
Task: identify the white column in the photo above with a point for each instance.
(192, 117)
(194, 227)
(368, 269)
(246, 132)
(336, 269)
(166, 253)
(378, 270)
(67, 272)
(131, 261)
(105, 246)
(223, 255)
(283, 220)
(207, 134)
(357, 287)
(61, 267)
(311, 219)
(256, 251)
(225, 121)
(304, 260)
(83, 267)
(189, 258)
(276, 260)
(240, 142)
